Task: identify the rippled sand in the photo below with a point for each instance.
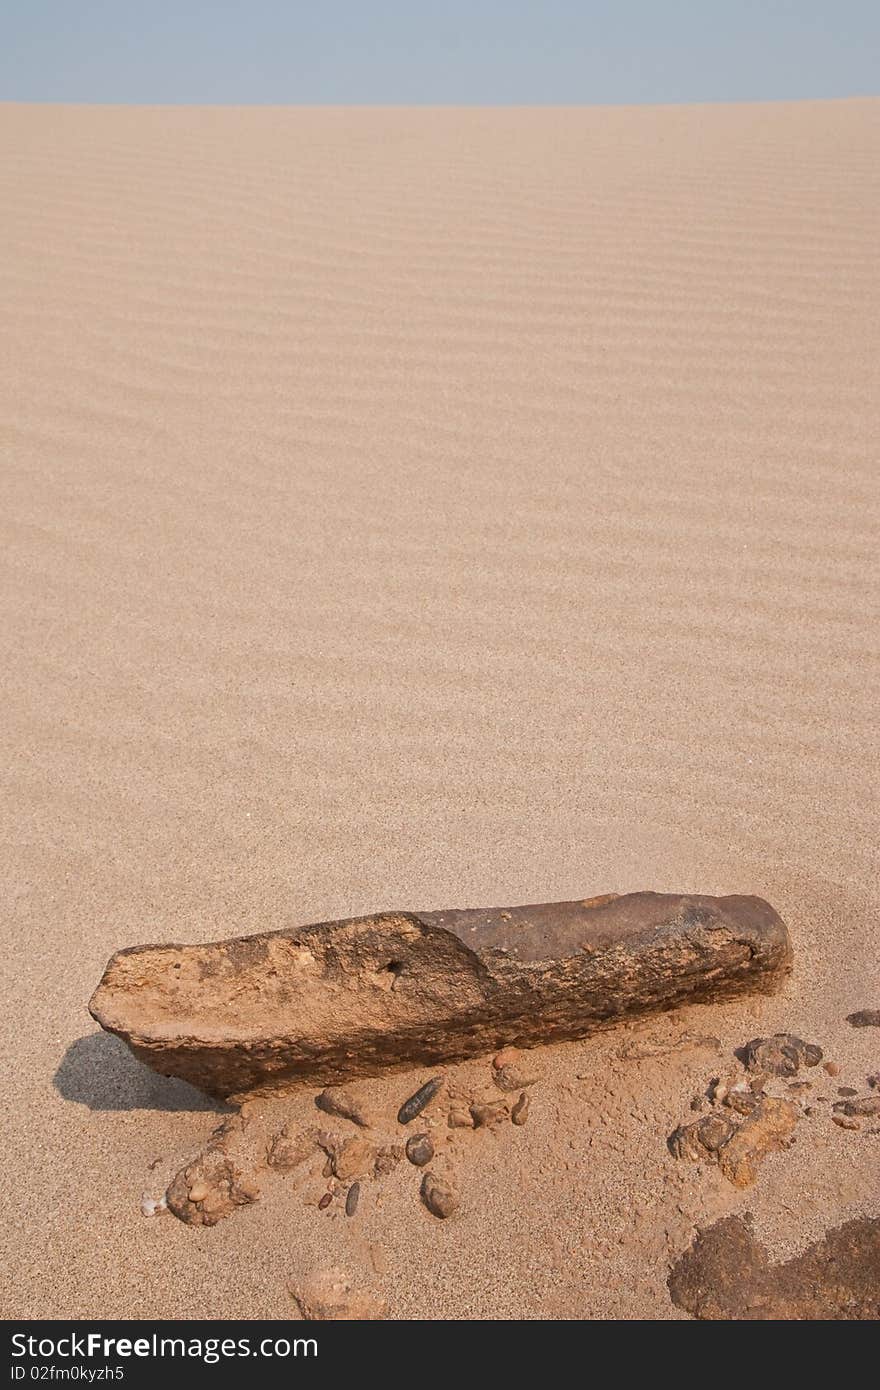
(429, 508)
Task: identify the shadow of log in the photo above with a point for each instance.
(100, 1072)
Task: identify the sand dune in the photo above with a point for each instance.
(431, 507)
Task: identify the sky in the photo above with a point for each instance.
(437, 52)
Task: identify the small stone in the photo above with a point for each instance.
(439, 1196)
(219, 1187)
(460, 1119)
(847, 1091)
(336, 1101)
(387, 1159)
(874, 1081)
(288, 1150)
(488, 1114)
(417, 1102)
(520, 1112)
(510, 1078)
(846, 1122)
(781, 1055)
(864, 1105)
(352, 1159)
(832, 1068)
(351, 1199)
(419, 1150)
(325, 1201)
(507, 1057)
(865, 1018)
(768, 1128)
(741, 1098)
(328, 1295)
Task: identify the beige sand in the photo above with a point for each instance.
(423, 508)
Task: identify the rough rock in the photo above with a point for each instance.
(209, 1189)
(865, 1018)
(329, 1296)
(701, 1140)
(439, 1196)
(218, 1181)
(511, 1078)
(489, 1114)
(333, 1100)
(336, 1000)
(862, 1105)
(460, 1119)
(350, 1158)
(738, 1149)
(387, 1160)
(768, 1128)
(782, 1055)
(507, 1057)
(726, 1274)
(846, 1122)
(287, 1150)
(520, 1112)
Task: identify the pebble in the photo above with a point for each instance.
(520, 1112)
(439, 1196)
(846, 1122)
(460, 1119)
(386, 1160)
(864, 1105)
(419, 1150)
(335, 1101)
(865, 1018)
(508, 1056)
(510, 1078)
(781, 1055)
(832, 1068)
(351, 1199)
(486, 1115)
(353, 1158)
(325, 1201)
(847, 1091)
(417, 1102)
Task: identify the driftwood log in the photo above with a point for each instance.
(344, 999)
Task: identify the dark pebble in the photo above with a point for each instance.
(847, 1091)
(419, 1150)
(865, 1018)
(416, 1103)
(325, 1201)
(351, 1199)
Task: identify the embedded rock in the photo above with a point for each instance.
(338, 1000)
(726, 1275)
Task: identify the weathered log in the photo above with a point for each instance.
(344, 999)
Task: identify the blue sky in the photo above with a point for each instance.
(484, 52)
